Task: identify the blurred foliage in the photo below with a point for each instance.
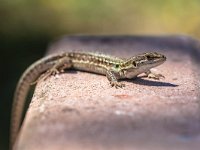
(54, 18)
(27, 26)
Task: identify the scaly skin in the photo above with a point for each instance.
(114, 68)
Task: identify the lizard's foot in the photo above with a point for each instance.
(52, 71)
(117, 84)
(155, 76)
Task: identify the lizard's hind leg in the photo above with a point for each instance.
(59, 66)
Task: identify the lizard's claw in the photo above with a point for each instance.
(117, 84)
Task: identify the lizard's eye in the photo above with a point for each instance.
(134, 64)
(117, 66)
(149, 57)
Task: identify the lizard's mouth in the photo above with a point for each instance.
(154, 62)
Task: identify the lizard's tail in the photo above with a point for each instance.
(22, 90)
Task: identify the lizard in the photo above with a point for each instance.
(113, 67)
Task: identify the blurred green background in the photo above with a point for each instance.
(27, 27)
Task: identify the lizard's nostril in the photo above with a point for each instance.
(163, 57)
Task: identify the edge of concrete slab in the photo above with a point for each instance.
(79, 110)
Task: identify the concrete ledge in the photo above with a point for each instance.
(79, 110)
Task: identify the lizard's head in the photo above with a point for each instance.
(142, 63)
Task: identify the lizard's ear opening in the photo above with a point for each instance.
(134, 64)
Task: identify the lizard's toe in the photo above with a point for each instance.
(117, 84)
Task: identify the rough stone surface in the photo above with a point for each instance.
(79, 110)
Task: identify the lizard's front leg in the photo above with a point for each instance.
(154, 75)
(111, 76)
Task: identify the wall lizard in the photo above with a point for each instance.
(114, 68)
